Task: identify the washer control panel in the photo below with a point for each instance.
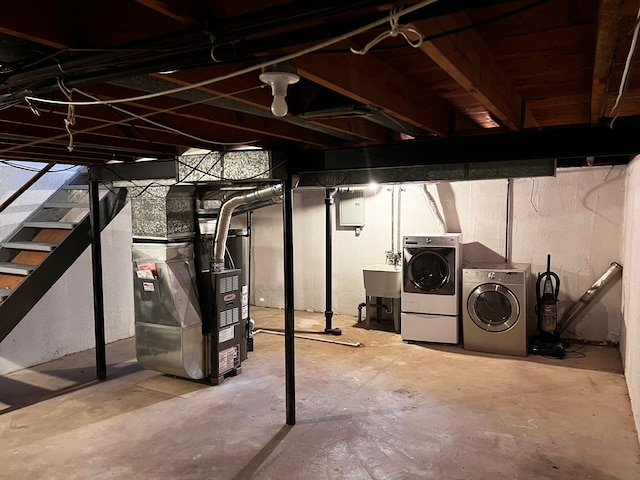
(433, 241)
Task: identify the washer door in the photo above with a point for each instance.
(493, 307)
(429, 270)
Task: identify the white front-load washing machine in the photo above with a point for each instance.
(430, 296)
(497, 312)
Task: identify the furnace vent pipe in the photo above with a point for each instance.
(224, 219)
(589, 295)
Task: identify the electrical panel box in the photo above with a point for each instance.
(351, 209)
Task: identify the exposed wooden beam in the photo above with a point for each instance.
(111, 141)
(359, 127)
(609, 15)
(203, 114)
(34, 22)
(370, 81)
(179, 13)
(259, 99)
(468, 60)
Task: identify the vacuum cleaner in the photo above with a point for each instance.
(548, 341)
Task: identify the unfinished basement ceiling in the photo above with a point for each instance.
(453, 71)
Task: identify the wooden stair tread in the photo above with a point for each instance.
(51, 235)
(29, 258)
(10, 281)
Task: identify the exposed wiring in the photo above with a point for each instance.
(252, 177)
(134, 185)
(197, 167)
(624, 81)
(395, 30)
(175, 130)
(453, 31)
(31, 169)
(71, 113)
(608, 173)
(114, 122)
(246, 70)
(534, 190)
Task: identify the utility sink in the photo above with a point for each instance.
(382, 280)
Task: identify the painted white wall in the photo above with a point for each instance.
(62, 321)
(630, 331)
(576, 217)
(12, 178)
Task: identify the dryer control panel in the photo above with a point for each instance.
(507, 274)
(508, 278)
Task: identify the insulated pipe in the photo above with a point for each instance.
(224, 219)
(589, 295)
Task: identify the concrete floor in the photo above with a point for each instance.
(384, 410)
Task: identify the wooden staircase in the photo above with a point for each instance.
(46, 245)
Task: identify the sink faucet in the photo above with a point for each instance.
(393, 257)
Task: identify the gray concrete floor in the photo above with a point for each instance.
(383, 410)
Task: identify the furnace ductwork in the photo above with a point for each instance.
(224, 219)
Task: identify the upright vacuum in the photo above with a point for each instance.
(548, 341)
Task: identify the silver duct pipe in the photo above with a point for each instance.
(442, 227)
(224, 219)
(589, 295)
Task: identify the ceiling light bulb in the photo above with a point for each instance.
(279, 81)
(279, 106)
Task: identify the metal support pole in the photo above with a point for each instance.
(289, 324)
(328, 313)
(96, 263)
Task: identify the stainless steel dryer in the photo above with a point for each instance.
(497, 312)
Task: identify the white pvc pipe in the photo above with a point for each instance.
(273, 332)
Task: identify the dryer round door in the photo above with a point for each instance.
(493, 307)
